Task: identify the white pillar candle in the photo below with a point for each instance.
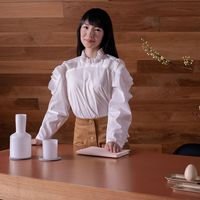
(50, 149)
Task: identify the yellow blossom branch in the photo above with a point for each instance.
(187, 61)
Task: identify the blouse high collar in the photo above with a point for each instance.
(86, 59)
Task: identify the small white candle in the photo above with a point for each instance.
(50, 149)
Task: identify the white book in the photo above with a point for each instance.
(102, 152)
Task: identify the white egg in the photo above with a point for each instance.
(190, 172)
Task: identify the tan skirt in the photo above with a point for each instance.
(90, 132)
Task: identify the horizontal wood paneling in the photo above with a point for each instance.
(24, 91)
(166, 93)
(19, 1)
(166, 103)
(23, 39)
(36, 53)
(28, 66)
(166, 116)
(169, 80)
(36, 36)
(20, 104)
(137, 8)
(175, 67)
(36, 25)
(31, 9)
(24, 79)
(180, 24)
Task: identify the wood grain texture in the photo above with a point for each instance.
(36, 25)
(23, 39)
(29, 188)
(24, 79)
(67, 179)
(166, 103)
(31, 9)
(28, 66)
(36, 36)
(180, 24)
(36, 53)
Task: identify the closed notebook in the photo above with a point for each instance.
(102, 152)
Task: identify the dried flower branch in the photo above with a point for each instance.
(187, 61)
(153, 53)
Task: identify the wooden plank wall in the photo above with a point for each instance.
(37, 35)
(166, 105)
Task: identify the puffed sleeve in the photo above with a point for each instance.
(58, 109)
(119, 113)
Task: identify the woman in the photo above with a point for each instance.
(95, 85)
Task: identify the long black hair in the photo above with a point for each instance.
(99, 18)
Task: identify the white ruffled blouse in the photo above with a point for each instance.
(92, 88)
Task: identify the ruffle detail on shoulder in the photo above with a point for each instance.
(56, 77)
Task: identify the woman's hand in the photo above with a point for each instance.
(36, 142)
(113, 147)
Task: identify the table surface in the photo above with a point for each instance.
(140, 172)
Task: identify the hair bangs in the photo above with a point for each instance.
(94, 20)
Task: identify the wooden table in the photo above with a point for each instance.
(138, 176)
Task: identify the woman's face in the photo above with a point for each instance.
(91, 36)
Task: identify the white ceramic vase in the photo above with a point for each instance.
(20, 141)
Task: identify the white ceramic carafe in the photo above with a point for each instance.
(20, 141)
